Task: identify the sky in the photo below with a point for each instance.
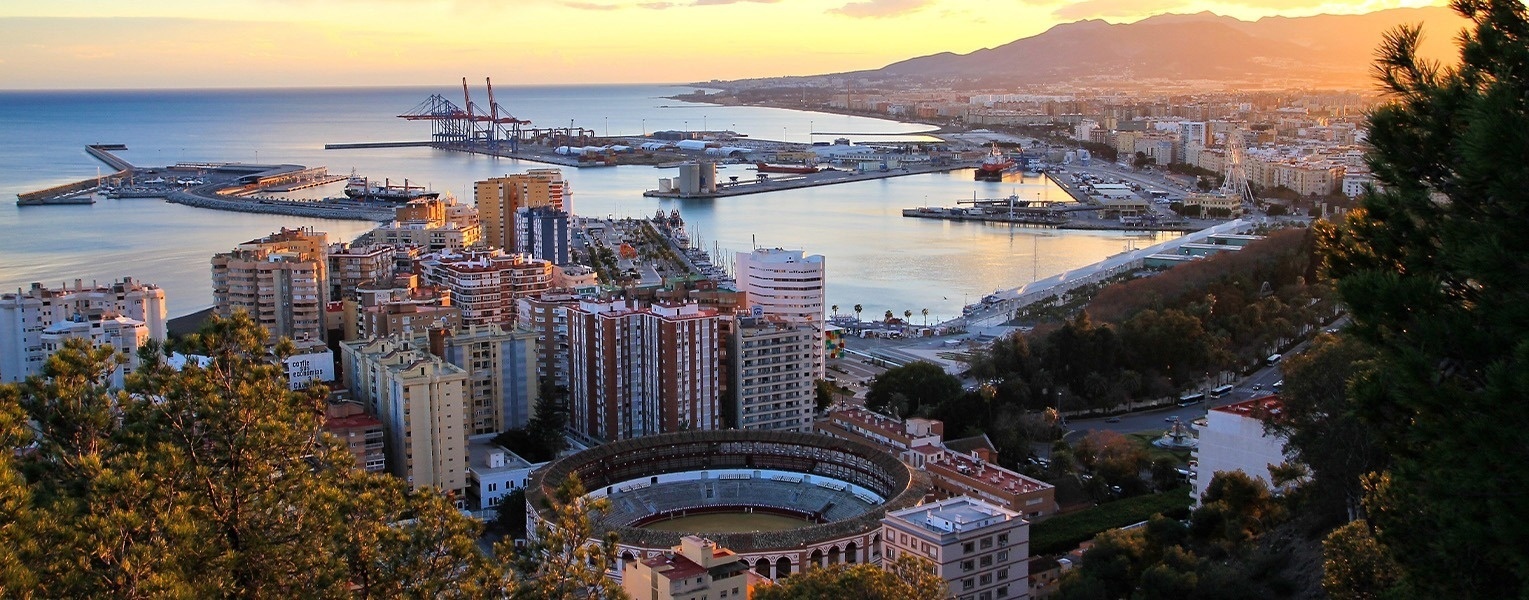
(92, 44)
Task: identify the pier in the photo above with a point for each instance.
(364, 145)
(774, 184)
(78, 192)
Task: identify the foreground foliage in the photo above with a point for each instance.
(1431, 271)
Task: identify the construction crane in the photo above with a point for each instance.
(497, 130)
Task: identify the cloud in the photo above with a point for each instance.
(720, 2)
(880, 8)
(591, 6)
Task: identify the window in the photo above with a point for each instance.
(968, 547)
(1003, 592)
(1003, 538)
(968, 583)
(967, 566)
(987, 561)
(1003, 574)
(1003, 555)
(986, 578)
(987, 542)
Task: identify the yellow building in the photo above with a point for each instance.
(1219, 205)
(697, 569)
(422, 402)
(432, 224)
(500, 197)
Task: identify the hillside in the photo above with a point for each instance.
(1203, 46)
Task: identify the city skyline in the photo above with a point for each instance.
(316, 43)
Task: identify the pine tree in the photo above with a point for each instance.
(209, 481)
(1431, 270)
(561, 563)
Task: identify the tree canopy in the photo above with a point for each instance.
(209, 481)
(1429, 268)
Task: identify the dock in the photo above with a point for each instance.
(364, 145)
(78, 192)
(827, 177)
(302, 185)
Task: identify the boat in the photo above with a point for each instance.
(359, 188)
(993, 167)
(798, 169)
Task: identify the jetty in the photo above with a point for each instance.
(80, 192)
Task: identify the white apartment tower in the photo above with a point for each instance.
(26, 314)
(788, 284)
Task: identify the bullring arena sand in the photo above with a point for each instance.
(728, 522)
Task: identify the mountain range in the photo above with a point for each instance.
(1323, 49)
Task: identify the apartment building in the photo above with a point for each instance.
(502, 386)
(361, 433)
(421, 401)
(789, 284)
(350, 266)
(981, 550)
(773, 373)
(486, 284)
(500, 198)
(637, 370)
(281, 280)
(432, 224)
(25, 314)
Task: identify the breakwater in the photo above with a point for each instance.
(318, 210)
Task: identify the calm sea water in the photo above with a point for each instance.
(875, 256)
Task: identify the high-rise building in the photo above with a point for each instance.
(485, 284)
(422, 402)
(640, 370)
(350, 266)
(432, 224)
(499, 198)
(788, 284)
(26, 313)
(547, 316)
(501, 366)
(697, 568)
(980, 550)
(542, 232)
(773, 373)
(281, 280)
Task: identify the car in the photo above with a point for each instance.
(1332, 330)
(1258, 386)
(1112, 420)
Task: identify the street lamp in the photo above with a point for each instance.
(644, 127)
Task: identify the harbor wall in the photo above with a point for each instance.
(291, 209)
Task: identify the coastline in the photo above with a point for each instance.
(937, 131)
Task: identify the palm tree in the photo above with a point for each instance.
(858, 308)
(926, 317)
(836, 311)
(889, 316)
(907, 315)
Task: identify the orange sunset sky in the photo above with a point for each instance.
(259, 43)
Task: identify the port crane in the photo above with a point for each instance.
(454, 124)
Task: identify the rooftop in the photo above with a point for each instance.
(1256, 408)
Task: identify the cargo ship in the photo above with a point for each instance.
(798, 169)
(359, 188)
(993, 167)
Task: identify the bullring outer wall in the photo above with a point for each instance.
(853, 540)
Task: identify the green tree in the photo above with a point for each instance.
(210, 481)
(1357, 567)
(909, 577)
(1422, 267)
(1235, 509)
(858, 308)
(912, 387)
(561, 563)
(1324, 432)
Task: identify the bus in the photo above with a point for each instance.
(1191, 399)
(1273, 359)
(1221, 391)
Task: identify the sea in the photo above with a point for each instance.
(875, 257)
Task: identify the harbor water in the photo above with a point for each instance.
(875, 257)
